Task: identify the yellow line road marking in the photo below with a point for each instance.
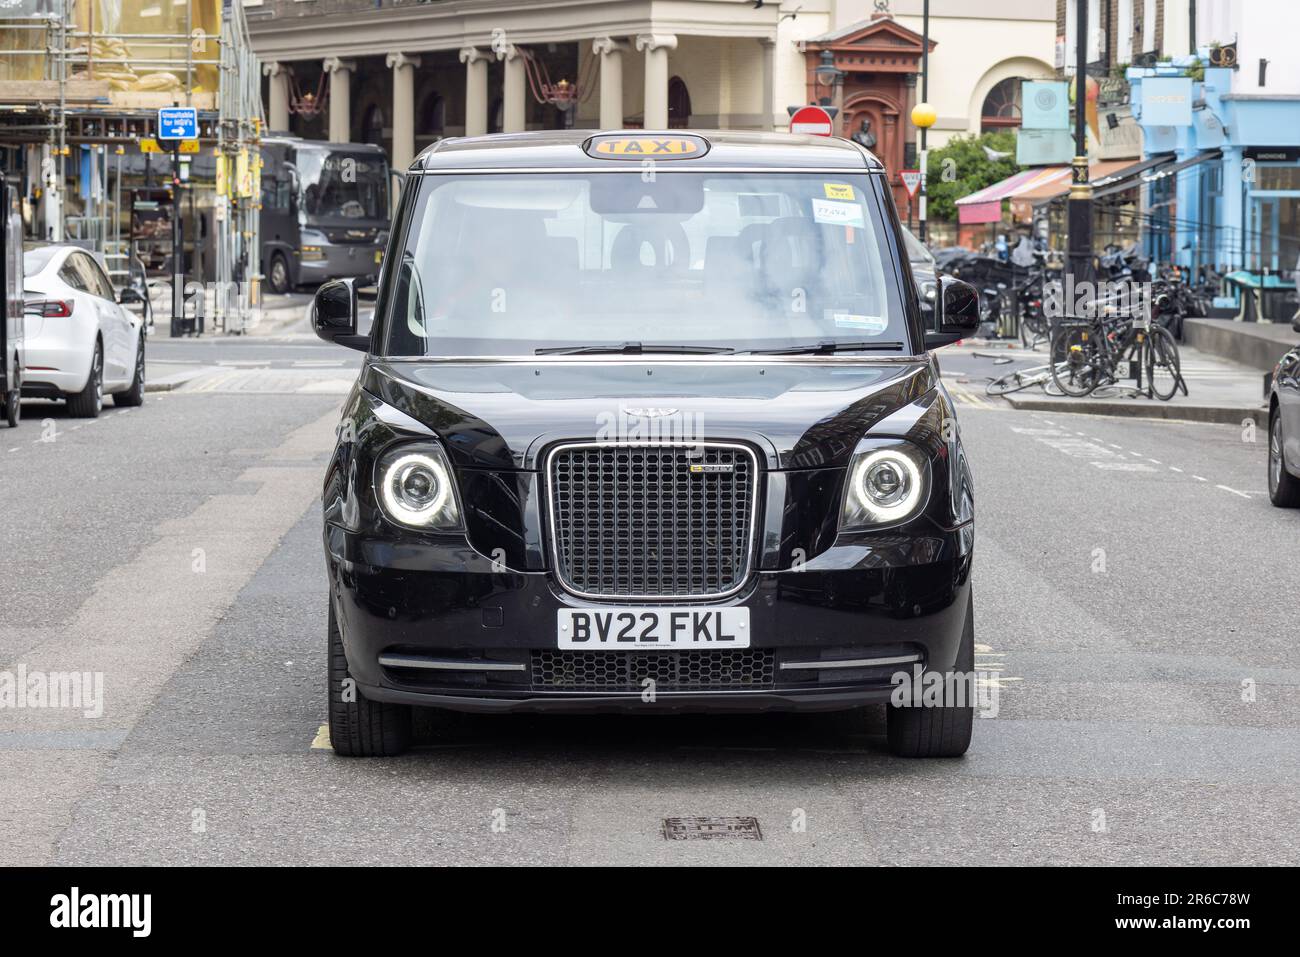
(322, 740)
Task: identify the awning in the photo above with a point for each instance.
(1175, 168)
(985, 205)
(1128, 177)
(1104, 173)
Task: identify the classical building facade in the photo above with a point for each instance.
(403, 74)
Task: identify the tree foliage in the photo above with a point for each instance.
(961, 167)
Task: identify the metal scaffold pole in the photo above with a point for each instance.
(238, 181)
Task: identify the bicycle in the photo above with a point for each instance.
(1087, 354)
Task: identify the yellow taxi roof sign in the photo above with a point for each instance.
(638, 146)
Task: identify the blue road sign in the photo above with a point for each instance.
(178, 123)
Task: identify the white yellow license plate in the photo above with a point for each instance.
(647, 629)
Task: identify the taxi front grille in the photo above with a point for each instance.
(746, 669)
(652, 521)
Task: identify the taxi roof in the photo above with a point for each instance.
(563, 149)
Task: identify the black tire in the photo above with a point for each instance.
(277, 274)
(942, 732)
(134, 395)
(1283, 487)
(1163, 368)
(1076, 366)
(88, 403)
(361, 728)
(13, 408)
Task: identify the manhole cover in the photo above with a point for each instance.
(712, 829)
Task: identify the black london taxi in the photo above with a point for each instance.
(647, 422)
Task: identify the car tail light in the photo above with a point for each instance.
(48, 308)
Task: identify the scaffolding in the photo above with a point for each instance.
(86, 78)
(239, 196)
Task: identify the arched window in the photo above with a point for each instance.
(433, 117)
(372, 130)
(1002, 106)
(679, 104)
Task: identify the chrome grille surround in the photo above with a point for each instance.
(630, 554)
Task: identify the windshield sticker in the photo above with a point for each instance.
(838, 190)
(837, 214)
(872, 324)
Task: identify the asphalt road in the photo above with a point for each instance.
(1131, 576)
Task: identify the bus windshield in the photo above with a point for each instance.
(340, 185)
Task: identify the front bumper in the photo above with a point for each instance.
(491, 636)
(341, 261)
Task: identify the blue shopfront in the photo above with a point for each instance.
(1228, 196)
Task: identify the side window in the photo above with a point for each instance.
(98, 281)
(70, 273)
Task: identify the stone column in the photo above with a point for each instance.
(513, 92)
(403, 68)
(611, 53)
(656, 47)
(278, 108)
(340, 72)
(476, 87)
(768, 47)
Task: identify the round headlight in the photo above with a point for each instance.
(887, 486)
(415, 488)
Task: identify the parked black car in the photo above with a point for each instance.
(647, 422)
(1284, 432)
(925, 272)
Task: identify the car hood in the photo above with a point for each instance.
(805, 413)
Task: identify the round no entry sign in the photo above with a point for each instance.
(812, 120)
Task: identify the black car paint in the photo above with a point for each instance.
(487, 593)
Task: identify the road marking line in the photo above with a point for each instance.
(1233, 491)
(1198, 478)
(14, 449)
(1175, 469)
(322, 740)
(1114, 446)
(1156, 461)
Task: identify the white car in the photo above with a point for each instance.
(81, 342)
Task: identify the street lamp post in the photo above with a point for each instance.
(1080, 203)
(926, 112)
(923, 117)
(827, 74)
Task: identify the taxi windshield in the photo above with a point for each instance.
(516, 264)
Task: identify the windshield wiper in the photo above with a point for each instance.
(827, 347)
(630, 349)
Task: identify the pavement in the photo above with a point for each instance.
(1218, 390)
(1135, 609)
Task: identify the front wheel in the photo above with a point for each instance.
(277, 276)
(360, 727)
(1163, 369)
(942, 731)
(1283, 487)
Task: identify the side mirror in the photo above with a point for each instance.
(129, 294)
(958, 313)
(334, 314)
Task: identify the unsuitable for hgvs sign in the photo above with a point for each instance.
(178, 123)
